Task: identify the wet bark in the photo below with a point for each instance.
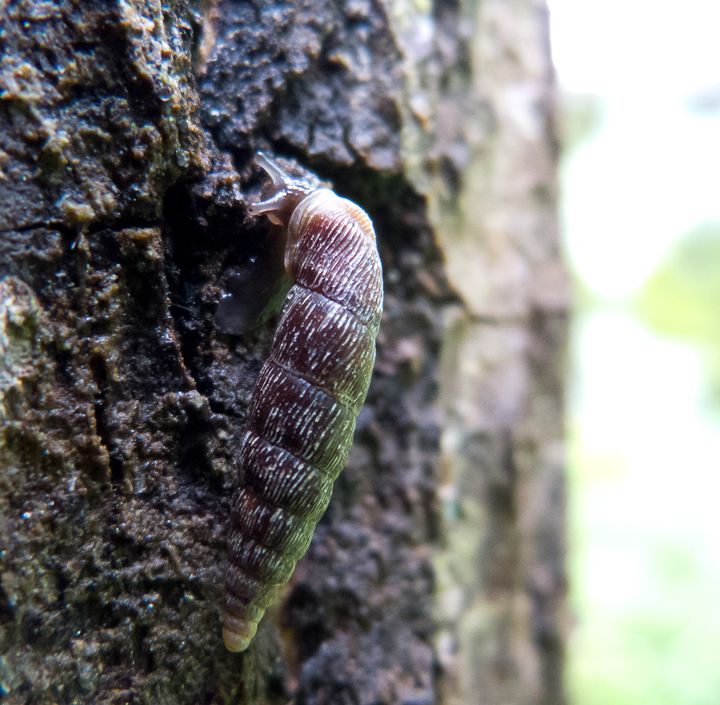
(136, 307)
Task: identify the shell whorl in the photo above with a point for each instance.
(309, 391)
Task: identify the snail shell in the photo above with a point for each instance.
(309, 392)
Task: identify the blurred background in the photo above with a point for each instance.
(640, 84)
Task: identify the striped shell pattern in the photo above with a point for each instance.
(309, 392)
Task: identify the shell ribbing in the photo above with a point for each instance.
(303, 409)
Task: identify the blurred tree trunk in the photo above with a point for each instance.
(126, 132)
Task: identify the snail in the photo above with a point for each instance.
(308, 394)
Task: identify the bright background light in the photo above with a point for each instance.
(653, 172)
(641, 199)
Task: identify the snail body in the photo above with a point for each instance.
(308, 394)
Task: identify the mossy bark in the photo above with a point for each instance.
(126, 131)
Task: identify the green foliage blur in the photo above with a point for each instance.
(682, 299)
(644, 454)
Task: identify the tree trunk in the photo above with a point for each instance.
(136, 307)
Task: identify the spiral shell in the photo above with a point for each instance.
(308, 394)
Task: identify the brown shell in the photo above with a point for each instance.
(303, 410)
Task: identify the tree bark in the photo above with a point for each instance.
(126, 132)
